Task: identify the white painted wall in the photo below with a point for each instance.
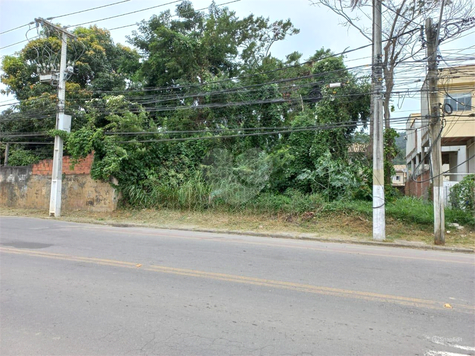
(457, 165)
(471, 153)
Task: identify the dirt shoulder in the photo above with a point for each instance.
(329, 227)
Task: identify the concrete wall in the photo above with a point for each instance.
(29, 187)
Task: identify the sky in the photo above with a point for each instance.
(319, 27)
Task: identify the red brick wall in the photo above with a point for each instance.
(29, 187)
(419, 187)
(45, 167)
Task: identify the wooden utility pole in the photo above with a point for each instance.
(435, 134)
(379, 209)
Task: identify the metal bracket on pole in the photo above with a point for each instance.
(44, 22)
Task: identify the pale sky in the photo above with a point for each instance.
(318, 26)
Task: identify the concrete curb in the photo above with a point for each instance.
(300, 237)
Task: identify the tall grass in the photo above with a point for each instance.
(193, 194)
(197, 194)
(291, 202)
(422, 212)
(412, 210)
(406, 209)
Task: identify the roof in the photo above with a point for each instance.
(400, 167)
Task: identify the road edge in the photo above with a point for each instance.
(299, 237)
(263, 234)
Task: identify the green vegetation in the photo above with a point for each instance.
(401, 147)
(21, 157)
(462, 195)
(195, 195)
(205, 119)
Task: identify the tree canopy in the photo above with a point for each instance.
(199, 101)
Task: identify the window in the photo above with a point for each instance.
(459, 102)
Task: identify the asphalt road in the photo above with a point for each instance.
(79, 289)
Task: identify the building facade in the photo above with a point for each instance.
(456, 93)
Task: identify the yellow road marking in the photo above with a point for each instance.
(127, 231)
(69, 257)
(305, 288)
(354, 252)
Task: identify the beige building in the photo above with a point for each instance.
(457, 100)
(399, 178)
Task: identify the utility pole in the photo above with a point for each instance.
(435, 133)
(379, 216)
(7, 150)
(61, 121)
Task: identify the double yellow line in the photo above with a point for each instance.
(304, 288)
(58, 256)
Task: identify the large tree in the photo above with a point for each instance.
(206, 86)
(99, 65)
(190, 46)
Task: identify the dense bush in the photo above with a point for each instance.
(462, 195)
(21, 157)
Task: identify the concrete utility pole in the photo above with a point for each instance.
(61, 123)
(379, 216)
(435, 134)
(7, 151)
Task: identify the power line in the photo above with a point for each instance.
(69, 14)
(95, 8)
(86, 10)
(236, 90)
(225, 104)
(14, 44)
(202, 9)
(17, 28)
(9, 104)
(243, 90)
(400, 119)
(30, 143)
(277, 132)
(249, 75)
(198, 85)
(447, 171)
(125, 14)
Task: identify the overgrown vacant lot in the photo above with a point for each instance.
(408, 221)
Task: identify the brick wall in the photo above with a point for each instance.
(29, 187)
(45, 167)
(419, 187)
